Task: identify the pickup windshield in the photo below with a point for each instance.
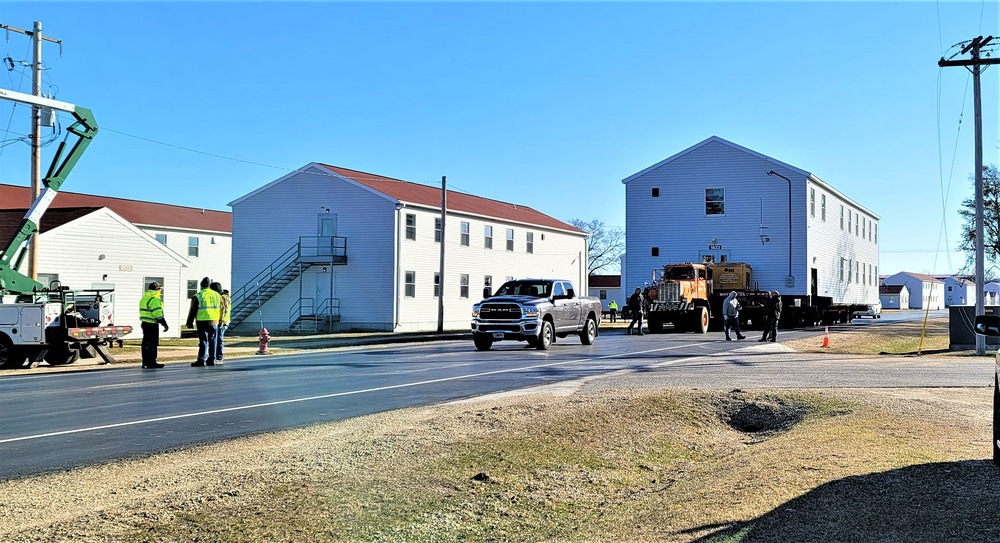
(525, 288)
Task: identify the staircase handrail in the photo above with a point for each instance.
(268, 273)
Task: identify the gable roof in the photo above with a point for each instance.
(891, 289)
(135, 211)
(717, 139)
(920, 276)
(779, 164)
(605, 281)
(428, 196)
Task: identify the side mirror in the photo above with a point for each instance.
(486, 292)
(988, 325)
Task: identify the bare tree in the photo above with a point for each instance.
(605, 246)
(991, 223)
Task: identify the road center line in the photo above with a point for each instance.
(326, 396)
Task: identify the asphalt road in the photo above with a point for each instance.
(58, 420)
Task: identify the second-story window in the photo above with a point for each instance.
(530, 243)
(465, 234)
(715, 201)
(822, 207)
(411, 226)
(510, 239)
(193, 246)
(437, 229)
(488, 237)
(812, 202)
(162, 238)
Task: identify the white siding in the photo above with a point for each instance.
(101, 243)
(832, 247)
(754, 229)
(271, 222)
(215, 251)
(923, 292)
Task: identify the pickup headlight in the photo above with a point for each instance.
(529, 311)
(475, 310)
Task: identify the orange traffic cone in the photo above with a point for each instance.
(826, 337)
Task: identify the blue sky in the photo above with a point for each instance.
(545, 104)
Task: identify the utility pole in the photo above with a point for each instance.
(36, 129)
(444, 213)
(975, 65)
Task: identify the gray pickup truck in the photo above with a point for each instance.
(537, 311)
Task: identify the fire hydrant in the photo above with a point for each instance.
(264, 338)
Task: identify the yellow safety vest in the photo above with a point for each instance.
(208, 305)
(150, 307)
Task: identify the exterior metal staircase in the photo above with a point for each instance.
(308, 251)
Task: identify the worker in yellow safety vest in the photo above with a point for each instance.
(151, 317)
(206, 309)
(225, 311)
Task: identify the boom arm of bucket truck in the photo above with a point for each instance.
(85, 127)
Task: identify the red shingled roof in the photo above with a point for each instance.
(406, 191)
(10, 219)
(134, 211)
(605, 281)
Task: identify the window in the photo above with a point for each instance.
(161, 238)
(530, 243)
(488, 237)
(857, 219)
(857, 270)
(410, 282)
(463, 282)
(655, 252)
(192, 288)
(465, 234)
(822, 207)
(850, 269)
(715, 201)
(864, 223)
(437, 229)
(656, 192)
(46, 279)
(488, 284)
(603, 294)
(843, 264)
(411, 226)
(193, 246)
(437, 284)
(510, 239)
(812, 202)
(147, 280)
(849, 215)
(841, 217)
(875, 227)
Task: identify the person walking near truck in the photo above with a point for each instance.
(224, 313)
(613, 309)
(772, 312)
(731, 316)
(151, 316)
(206, 310)
(635, 304)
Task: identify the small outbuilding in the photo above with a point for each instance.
(894, 297)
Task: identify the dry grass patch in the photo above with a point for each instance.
(900, 338)
(669, 465)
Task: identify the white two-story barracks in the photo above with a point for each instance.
(338, 249)
(716, 201)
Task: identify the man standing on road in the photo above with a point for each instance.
(772, 313)
(731, 316)
(635, 304)
(206, 309)
(613, 309)
(151, 317)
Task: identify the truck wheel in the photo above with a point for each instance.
(589, 332)
(655, 326)
(62, 355)
(10, 357)
(700, 320)
(483, 342)
(546, 337)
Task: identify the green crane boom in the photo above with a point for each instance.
(85, 127)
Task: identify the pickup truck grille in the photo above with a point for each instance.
(500, 312)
